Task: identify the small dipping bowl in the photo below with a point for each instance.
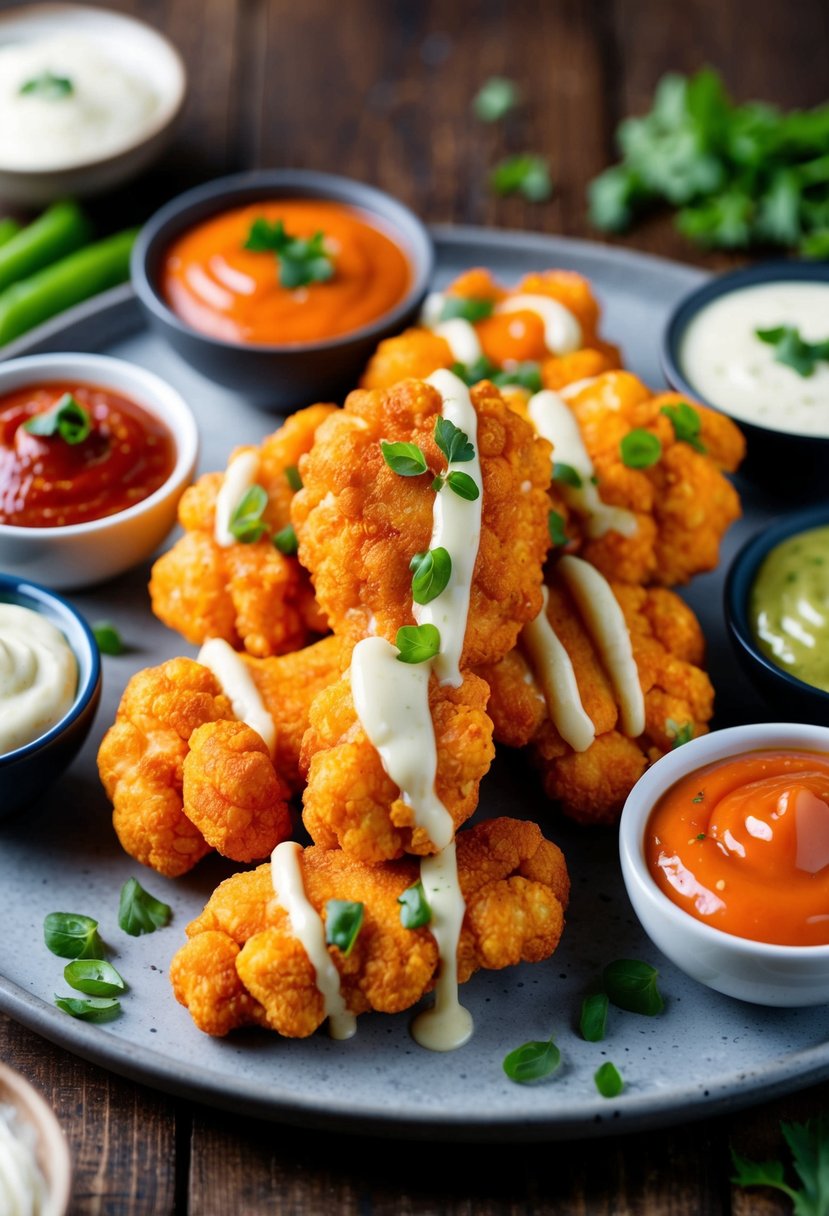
(779, 688)
(80, 555)
(785, 976)
(50, 1148)
(281, 378)
(786, 462)
(28, 771)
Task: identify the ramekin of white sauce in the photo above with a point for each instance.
(38, 676)
(35, 1168)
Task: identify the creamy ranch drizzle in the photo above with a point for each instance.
(462, 339)
(457, 528)
(554, 420)
(562, 332)
(307, 927)
(38, 676)
(447, 1024)
(240, 475)
(238, 685)
(553, 669)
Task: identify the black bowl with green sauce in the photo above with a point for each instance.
(791, 695)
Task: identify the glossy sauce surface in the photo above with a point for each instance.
(47, 483)
(222, 289)
(789, 606)
(743, 845)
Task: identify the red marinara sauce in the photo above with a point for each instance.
(46, 482)
(743, 845)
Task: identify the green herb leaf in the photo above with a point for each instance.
(89, 1009)
(472, 373)
(301, 260)
(139, 912)
(48, 86)
(467, 308)
(343, 921)
(700, 797)
(462, 485)
(525, 375)
(679, 734)
(525, 174)
(405, 459)
(567, 475)
(246, 523)
(608, 1080)
(432, 571)
(417, 643)
(532, 1061)
(791, 350)
(631, 985)
(495, 98)
(640, 449)
(414, 907)
(593, 1020)
(70, 935)
(293, 478)
(67, 419)
(94, 977)
(809, 1145)
(555, 526)
(452, 441)
(107, 638)
(686, 423)
(285, 541)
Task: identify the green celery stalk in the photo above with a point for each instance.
(8, 229)
(62, 228)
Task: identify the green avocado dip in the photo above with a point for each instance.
(789, 606)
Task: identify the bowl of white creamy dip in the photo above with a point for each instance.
(88, 97)
(754, 344)
(50, 686)
(35, 1179)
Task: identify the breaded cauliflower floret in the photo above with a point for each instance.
(359, 524)
(251, 595)
(350, 802)
(243, 966)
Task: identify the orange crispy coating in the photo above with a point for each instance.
(251, 595)
(243, 966)
(359, 523)
(350, 802)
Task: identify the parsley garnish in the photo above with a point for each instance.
(108, 638)
(139, 912)
(631, 984)
(414, 907)
(495, 98)
(417, 643)
(679, 733)
(408, 460)
(70, 935)
(555, 526)
(524, 174)
(567, 475)
(343, 921)
(405, 459)
(809, 1146)
(286, 541)
(49, 86)
(432, 571)
(467, 308)
(686, 423)
(452, 441)
(301, 260)
(640, 449)
(593, 1020)
(67, 419)
(793, 351)
(532, 1061)
(461, 483)
(246, 522)
(608, 1080)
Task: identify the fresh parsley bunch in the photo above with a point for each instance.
(740, 175)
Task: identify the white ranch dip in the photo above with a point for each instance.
(724, 359)
(38, 676)
(94, 109)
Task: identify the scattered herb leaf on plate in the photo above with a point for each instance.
(139, 912)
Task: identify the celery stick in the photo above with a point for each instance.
(8, 229)
(75, 278)
(62, 228)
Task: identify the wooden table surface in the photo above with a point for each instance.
(380, 90)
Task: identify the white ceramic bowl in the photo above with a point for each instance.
(136, 47)
(752, 971)
(52, 1152)
(79, 555)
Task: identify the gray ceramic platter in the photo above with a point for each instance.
(704, 1054)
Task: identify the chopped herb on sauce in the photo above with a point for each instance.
(67, 419)
(414, 907)
(793, 351)
(246, 523)
(432, 571)
(301, 260)
(417, 643)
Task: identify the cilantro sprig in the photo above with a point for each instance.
(793, 351)
(301, 260)
(809, 1146)
(48, 86)
(66, 419)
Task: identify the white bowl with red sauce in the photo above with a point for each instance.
(77, 511)
(778, 973)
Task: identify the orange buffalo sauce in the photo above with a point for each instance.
(744, 846)
(218, 286)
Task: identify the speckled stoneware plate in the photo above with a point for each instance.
(704, 1054)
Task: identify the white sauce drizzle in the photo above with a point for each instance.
(605, 622)
(238, 685)
(554, 420)
(306, 925)
(456, 528)
(553, 669)
(447, 1024)
(462, 339)
(562, 332)
(576, 386)
(432, 309)
(240, 475)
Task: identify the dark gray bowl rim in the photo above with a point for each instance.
(740, 579)
(39, 595)
(212, 197)
(780, 270)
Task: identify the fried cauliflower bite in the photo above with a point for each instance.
(184, 776)
(591, 786)
(243, 966)
(251, 595)
(350, 802)
(359, 524)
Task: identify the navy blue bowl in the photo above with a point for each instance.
(279, 378)
(789, 697)
(28, 771)
(794, 465)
